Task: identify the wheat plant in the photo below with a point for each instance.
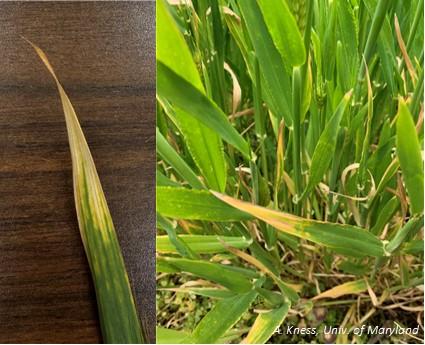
(289, 171)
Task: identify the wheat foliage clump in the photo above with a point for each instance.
(289, 171)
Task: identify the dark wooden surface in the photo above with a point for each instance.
(104, 56)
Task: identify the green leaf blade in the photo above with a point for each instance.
(343, 238)
(325, 148)
(221, 274)
(182, 203)
(186, 97)
(410, 157)
(284, 30)
(170, 336)
(203, 143)
(203, 244)
(221, 318)
(276, 80)
(166, 151)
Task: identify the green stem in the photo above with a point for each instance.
(377, 21)
(296, 148)
(259, 118)
(414, 27)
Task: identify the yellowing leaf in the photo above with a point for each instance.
(117, 311)
(265, 325)
(349, 288)
(343, 238)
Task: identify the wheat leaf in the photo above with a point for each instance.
(117, 310)
(346, 239)
(265, 325)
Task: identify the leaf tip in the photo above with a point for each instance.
(348, 95)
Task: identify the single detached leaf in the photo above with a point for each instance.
(265, 325)
(202, 244)
(117, 311)
(349, 288)
(203, 143)
(221, 318)
(284, 30)
(183, 203)
(221, 274)
(345, 239)
(410, 158)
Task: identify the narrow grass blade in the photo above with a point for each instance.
(296, 135)
(407, 231)
(349, 288)
(325, 148)
(385, 215)
(203, 244)
(167, 153)
(265, 325)
(117, 311)
(217, 293)
(410, 158)
(175, 241)
(203, 143)
(377, 23)
(287, 290)
(185, 96)
(210, 41)
(346, 239)
(171, 48)
(417, 19)
(221, 274)
(283, 29)
(349, 42)
(276, 79)
(221, 318)
(406, 58)
(182, 203)
(389, 173)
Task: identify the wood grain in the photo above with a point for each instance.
(104, 55)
